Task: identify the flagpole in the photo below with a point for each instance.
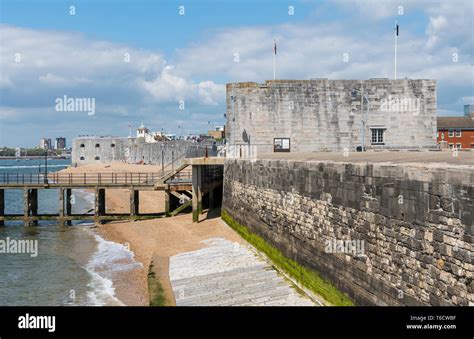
(396, 37)
(273, 66)
(274, 59)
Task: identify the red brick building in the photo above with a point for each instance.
(457, 132)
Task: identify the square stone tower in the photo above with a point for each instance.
(332, 115)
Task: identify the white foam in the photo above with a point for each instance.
(102, 291)
(110, 259)
(87, 196)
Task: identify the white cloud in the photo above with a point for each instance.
(449, 21)
(374, 9)
(170, 87)
(54, 62)
(55, 80)
(307, 51)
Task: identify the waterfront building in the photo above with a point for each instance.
(217, 133)
(469, 111)
(142, 131)
(332, 115)
(45, 143)
(149, 136)
(60, 143)
(457, 132)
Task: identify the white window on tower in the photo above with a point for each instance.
(281, 144)
(377, 136)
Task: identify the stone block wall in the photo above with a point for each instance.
(413, 225)
(320, 115)
(93, 150)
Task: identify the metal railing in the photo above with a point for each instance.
(79, 178)
(183, 176)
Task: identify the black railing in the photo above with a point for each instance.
(183, 176)
(79, 178)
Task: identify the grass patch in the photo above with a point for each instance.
(155, 290)
(306, 277)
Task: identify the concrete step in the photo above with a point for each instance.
(264, 287)
(226, 273)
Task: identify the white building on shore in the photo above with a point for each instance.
(149, 136)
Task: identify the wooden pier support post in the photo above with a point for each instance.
(30, 206)
(61, 206)
(197, 192)
(69, 200)
(2, 206)
(134, 202)
(167, 201)
(99, 207)
(64, 210)
(26, 207)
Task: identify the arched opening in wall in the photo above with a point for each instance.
(112, 145)
(82, 146)
(97, 145)
(97, 158)
(82, 158)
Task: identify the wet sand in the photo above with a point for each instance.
(156, 239)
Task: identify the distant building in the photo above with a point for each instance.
(45, 143)
(109, 149)
(142, 131)
(218, 133)
(148, 136)
(469, 110)
(60, 143)
(457, 132)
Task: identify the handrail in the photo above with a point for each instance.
(80, 178)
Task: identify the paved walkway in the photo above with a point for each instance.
(227, 273)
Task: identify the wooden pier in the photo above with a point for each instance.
(198, 181)
(65, 183)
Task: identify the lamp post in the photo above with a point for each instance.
(46, 166)
(162, 158)
(172, 158)
(363, 118)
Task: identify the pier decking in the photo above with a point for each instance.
(65, 183)
(184, 187)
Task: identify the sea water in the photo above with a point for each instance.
(74, 265)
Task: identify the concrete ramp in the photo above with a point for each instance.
(227, 273)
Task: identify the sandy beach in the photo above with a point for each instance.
(154, 239)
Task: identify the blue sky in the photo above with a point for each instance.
(191, 57)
